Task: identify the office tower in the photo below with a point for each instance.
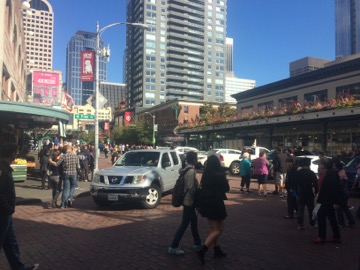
(229, 52)
(114, 93)
(347, 27)
(181, 55)
(80, 91)
(236, 85)
(306, 64)
(38, 32)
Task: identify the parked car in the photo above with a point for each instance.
(185, 149)
(202, 158)
(314, 163)
(139, 175)
(254, 151)
(350, 169)
(229, 159)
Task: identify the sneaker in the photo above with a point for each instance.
(77, 187)
(265, 194)
(248, 192)
(319, 240)
(241, 190)
(175, 251)
(300, 228)
(33, 267)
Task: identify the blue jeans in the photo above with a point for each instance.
(9, 243)
(189, 216)
(69, 181)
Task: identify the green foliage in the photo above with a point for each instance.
(139, 132)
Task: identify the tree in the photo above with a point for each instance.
(139, 133)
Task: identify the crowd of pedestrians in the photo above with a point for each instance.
(325, 196)
(62, 166)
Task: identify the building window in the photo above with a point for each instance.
(186, 109)
(315, 97)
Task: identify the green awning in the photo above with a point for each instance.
(27, 115)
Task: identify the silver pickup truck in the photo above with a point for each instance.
(139, 175)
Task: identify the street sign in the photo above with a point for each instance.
(84, 116)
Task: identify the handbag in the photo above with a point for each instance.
(315, 211)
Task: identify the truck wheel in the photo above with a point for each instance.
(153, 197)
(102, 203)
(235, 168)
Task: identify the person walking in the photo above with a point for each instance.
(54, 178)
(330, 196)
(71, 166)
(8, 240)
(214, 185)
(44, 156)
(306, 187)
(280, 169)
(189, 214)
(83, 156)
(344, 208)
(91, 161)
(290, 188)
(261, 171)
(245, 173)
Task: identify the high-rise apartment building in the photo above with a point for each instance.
(347, 27)
(181, 55)
(38, 32)
(81, 91)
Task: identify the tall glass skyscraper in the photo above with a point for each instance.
(80, 91)
(347, 27)
(181, 55)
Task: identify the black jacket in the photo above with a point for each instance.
(7, 189)
(306, 183)
(330, 190)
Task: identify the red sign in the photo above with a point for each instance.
(127, 118)
(45, 78)
(106, 126)
(46, 88)
(87, 61)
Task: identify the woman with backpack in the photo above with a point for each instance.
(189, 214)
(214, 185)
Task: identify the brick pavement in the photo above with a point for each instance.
(125, 236)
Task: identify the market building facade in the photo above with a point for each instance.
(316, 111)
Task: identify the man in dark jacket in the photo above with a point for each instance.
(290, 188)
(8, 240)
(330, 195)
(280, 169)
(306, 188)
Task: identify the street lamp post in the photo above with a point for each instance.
(153, 133)
(98, 52)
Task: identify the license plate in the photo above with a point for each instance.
(112, 197)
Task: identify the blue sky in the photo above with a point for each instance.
(268, 35)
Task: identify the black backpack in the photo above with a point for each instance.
(178, 193)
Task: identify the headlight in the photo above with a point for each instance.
(96, 178)
(138, 179)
